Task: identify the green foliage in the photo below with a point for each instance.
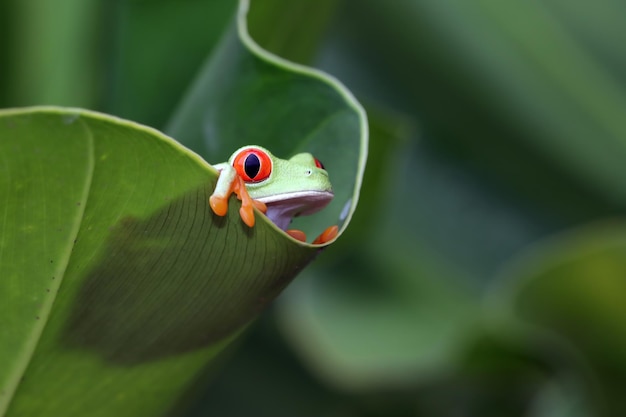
(96, 269)
(480, 275)
(116, 275)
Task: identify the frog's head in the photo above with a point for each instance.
(289, 187)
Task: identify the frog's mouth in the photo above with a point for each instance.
(281, 208)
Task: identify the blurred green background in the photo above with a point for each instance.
(485, 270)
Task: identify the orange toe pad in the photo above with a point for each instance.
(327, 235)
(218, 205)
(297, 234)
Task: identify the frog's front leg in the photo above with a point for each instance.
(230, 182)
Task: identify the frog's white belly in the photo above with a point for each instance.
(281, 208)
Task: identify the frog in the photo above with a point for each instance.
(280, 188)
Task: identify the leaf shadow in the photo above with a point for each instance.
(180, 280)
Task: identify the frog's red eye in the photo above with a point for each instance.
(319, 164)
(253, 165)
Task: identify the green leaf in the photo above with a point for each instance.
(118, 283)
(570, 290)
(246, 95)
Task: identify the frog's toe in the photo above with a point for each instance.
(247, 215)
(261, 206)
(219, 205)
(327, 235)
(297, 234)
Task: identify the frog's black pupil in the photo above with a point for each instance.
(252, 165)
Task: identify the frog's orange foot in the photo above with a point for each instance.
(296, 234)
(219, 201)
(327, 235)
(247, 215)
(219, 205)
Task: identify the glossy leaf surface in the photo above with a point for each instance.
(116, 276)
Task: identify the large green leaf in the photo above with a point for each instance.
(116, 277)
(118, 282)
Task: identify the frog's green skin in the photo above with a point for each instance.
(289, 187)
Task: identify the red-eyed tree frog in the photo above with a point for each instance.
(282, 189)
